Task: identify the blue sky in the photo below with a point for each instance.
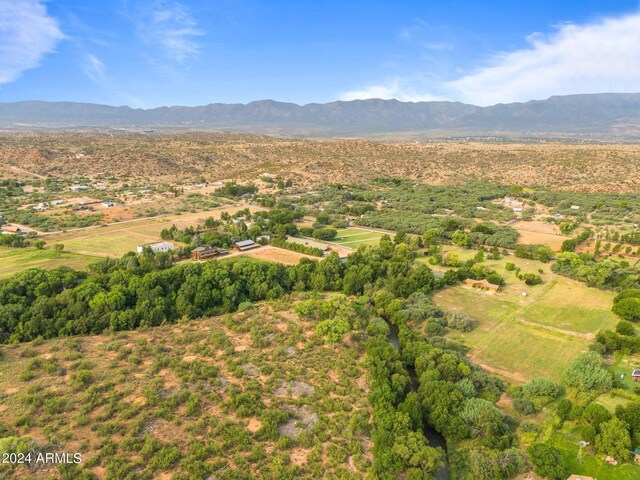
(148, 53)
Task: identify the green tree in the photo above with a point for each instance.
(547, 462)
(587, 372)
(333, 330)
(460, 238)
(614, 439)
(625, 328)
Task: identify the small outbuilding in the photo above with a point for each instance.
(481, 285)
(636, 375)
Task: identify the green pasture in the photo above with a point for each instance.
(571, 306)
(504, 341)
(13, 260)
(354, 237)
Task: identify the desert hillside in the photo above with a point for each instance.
(217, 156)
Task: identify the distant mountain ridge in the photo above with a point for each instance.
(604, 115)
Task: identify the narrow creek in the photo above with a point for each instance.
(435, 439)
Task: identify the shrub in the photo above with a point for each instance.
(460, 321)
(541, 387)
(524, 406)
(625, 328)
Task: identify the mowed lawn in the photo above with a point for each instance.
(14, 260)
(354, 237)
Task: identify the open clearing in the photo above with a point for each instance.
(274, 254)
(536, 335)
(13, 260)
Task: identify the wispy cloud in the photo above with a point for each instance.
(94, 69)
(27, 33)
(602, 56)
(171, 26)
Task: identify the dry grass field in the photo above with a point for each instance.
(273, 254)
(216, 156)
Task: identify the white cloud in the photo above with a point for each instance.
(171, 25)
(94, 69)
(591, 58)
(602, 56)
(397, 88)
(27, 33)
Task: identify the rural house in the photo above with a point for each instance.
(244, 245)
(9, 230)
(156, 246)
(481, 285)
(204, 252)
(636, 375)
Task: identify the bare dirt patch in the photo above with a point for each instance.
(304, 419)
(254, 425)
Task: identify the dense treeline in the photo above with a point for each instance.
(606, 274)
(145, 290)
(296, 247)
(570, 244)
(13, 240)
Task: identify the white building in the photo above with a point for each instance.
(77, 188)
(56, 202)
(156, 246)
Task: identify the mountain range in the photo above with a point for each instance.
(602, 116)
